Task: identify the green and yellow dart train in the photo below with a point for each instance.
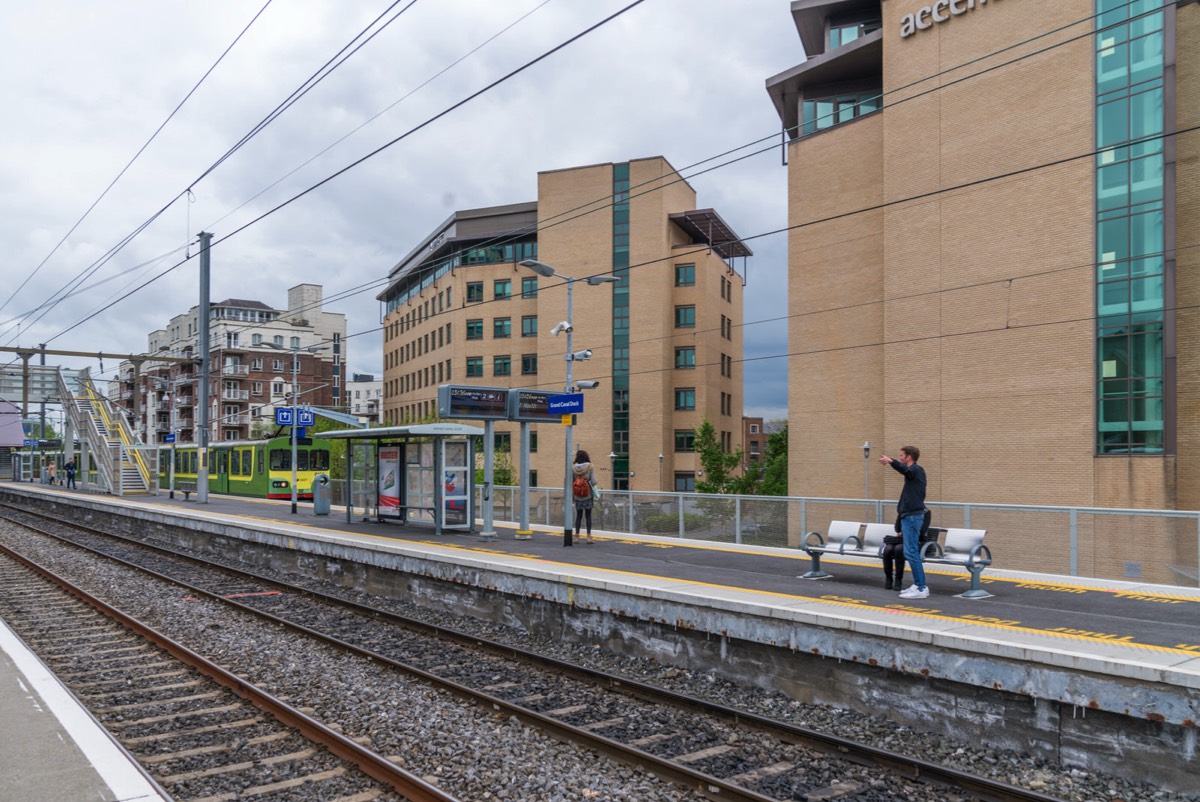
(257, 468)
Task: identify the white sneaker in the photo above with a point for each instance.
(913, 592)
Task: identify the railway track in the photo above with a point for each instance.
(716, 751)
(201, 732)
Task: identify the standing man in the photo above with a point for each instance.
(70, 469)
(911, 511)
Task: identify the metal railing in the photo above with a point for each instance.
(1155, 546)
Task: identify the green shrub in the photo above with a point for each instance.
(670, 522)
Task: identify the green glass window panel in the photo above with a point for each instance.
(1146, 176)
(1146, 294)
(502, 288)
(1110, 271)
(1114, 412)
(474, 366)
(529, 366)
(621, 215)
(1112, 124)
(1145, 387)
(1112, 67)
(502, 328)
(685, 358)
(1146, 233)
(847, 109)
(1117, 388)
(1146, 350)
(870, 104)
(825, 114)
(685, 398)
(1146, 58)
(529, 326)
(621, 171)
(475, 329)
(1114, 357)
(475, 291)
(529, 287)
(1143, 18)
(685, 275)
(1112, 240)
(1113, 298)
(1113, 186)
(685, 317)
(1147, 122)
(809, 116)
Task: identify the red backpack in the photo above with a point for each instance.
(581, 488)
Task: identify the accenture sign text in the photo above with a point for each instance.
(940, 11)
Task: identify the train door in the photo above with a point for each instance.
(220, 478)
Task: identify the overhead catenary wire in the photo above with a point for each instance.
(129, 164)
(969, 62)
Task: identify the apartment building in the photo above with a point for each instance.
(251, 347)
(665, 340)
(990, 254)
(364, 398)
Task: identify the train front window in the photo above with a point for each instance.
(319, 459)
(281, 460)
(302, 460)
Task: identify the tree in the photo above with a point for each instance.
(773, 480)
(717, 465)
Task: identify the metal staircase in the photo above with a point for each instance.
(122, 464)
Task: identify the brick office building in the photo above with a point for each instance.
(666, 340)
(992, 249)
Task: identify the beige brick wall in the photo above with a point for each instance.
(977, 341)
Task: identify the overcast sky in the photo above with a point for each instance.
(86, 84)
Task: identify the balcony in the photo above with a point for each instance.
(235, 395)
(235, 420)
(235, 370)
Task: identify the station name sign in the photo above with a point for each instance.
(934, 13)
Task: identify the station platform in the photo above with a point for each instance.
(52, 749)
(1087, 647)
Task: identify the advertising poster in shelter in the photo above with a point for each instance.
(389, 482)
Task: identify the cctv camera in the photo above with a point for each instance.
(588, 385)
(582, 356)
(561, 327)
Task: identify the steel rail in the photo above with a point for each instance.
(373, 765)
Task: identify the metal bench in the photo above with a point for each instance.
(963, 548)
(187, 488)
(847, 539)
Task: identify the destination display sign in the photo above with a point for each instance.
(473, 403)
(532, 406)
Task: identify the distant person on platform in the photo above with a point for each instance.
(52, 472)
(911, 511)
(583, 490)
(70, 469)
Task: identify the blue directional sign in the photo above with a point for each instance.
(170, 438)
(30, 443)
(565, 404)
(306, 417)
(283, 416)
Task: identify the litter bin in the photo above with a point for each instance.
(321, 493)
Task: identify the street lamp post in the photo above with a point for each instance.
(543, 269)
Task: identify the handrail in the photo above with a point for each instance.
(123, 431)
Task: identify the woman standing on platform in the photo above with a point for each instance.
(583, 488)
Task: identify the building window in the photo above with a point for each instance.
(685, 440)
(502, 288)
(277, 340)
(685, 398)
(231, 339)
(529, 326)
(685, 483)
(276, 365)
(1131, 231)
(256, 339)
(474, 366)
(529, 364)
(502, 366)
(295, 343)
(533, 442)
(256, 388)
(256, 363)
(685, 317)
(840, 35)
(685, 358)
(475, 329)
(685, 275)
(754, 428)
(474, 291)
(529, 287)
(822, 113)
(502, 328)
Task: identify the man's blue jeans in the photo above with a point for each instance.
(910, 530)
